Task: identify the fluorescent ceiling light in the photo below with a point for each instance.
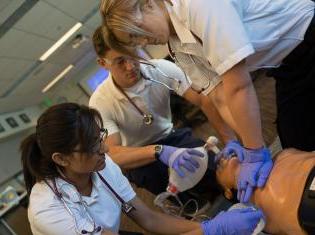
(56, 79)
(60, 41)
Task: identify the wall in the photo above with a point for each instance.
(10, 162)
(29, 115)
(11, 138)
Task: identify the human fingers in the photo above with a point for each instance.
(264, 173)
(195, 153)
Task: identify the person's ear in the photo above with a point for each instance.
(60, 159)
(228, 193)
(102, 63)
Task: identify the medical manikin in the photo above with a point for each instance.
(288, 199)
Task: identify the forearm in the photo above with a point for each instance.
(158, 222)
(165, 224)
(245, 110)
(205, 103)
(224, 131)
(194, 232)
(243, 104)
(132, 157)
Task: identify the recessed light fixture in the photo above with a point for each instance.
(56, 79)
(64, 38)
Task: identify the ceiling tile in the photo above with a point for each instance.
(38, 79)
(4, 86)
(23, 45)
(35, 32)
(8, 7)
(80, 11)
(12, 69)
(94, 21)
(67, 54)
(45, 21)
(14, 103)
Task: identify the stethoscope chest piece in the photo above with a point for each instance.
(147, 119)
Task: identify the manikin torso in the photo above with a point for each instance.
(281, 196)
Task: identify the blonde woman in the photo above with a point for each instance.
(217, 43)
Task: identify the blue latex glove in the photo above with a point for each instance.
(184, 159)
(256, 165)
(231, 148)
(264, 173)
(237, 221)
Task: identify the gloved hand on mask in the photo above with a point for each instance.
(237, 221)
(256, 165)
(185, 158)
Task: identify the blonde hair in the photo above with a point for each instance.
(121, 15)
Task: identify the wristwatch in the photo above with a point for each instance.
(157, 151)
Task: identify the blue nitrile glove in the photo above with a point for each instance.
(256, 165)
(237, 221)
(233, 147)
(185, 159)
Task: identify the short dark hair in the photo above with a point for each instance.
(61, 128)
(99, 44)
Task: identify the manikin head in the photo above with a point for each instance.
(227, 172)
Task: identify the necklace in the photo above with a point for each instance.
(146, 117)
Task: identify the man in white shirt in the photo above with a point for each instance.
(133, 144)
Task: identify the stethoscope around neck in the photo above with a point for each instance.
(125, 206)
(148, 117)
(178, 82)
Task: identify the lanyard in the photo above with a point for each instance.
(126, 207)
(147, 118)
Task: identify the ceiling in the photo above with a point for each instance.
(28, 28)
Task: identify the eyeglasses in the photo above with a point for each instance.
(103, 137)
(103, 134)
(119, 61)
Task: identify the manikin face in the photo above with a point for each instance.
(124, 69)
(226, 173)
(152, 19)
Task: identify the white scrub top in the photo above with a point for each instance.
(262, 31)
(48, 216)
(119, 115)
